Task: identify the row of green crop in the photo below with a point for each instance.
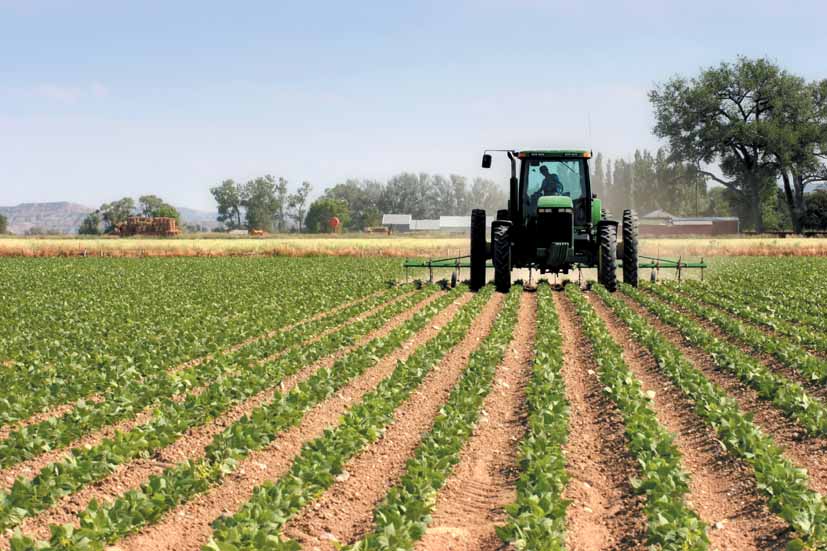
(73, 327)
(783, 287)
(790, 354)
(765, 315)
(320, 461)
(135, 396)
(785, 486)
(537, 518)
(173, 418)
(787, 395)
(672, 525)
(402, 516)
(105, 523)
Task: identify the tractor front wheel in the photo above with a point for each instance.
(630, 247)
(607, 257)
(478, 254)
(501, 256)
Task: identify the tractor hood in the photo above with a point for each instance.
(554, 202)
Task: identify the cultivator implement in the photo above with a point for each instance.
(457, 263)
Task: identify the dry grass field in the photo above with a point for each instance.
(361, 245)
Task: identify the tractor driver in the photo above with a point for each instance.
(551, 186)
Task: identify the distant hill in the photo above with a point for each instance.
(59, 217)
(64, 217)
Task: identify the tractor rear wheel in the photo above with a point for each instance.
(501, 256)
(607, 257)
(478, 249)
(630, 247)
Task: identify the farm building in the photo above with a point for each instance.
(446, 224)
(660, 223)
(397, 222)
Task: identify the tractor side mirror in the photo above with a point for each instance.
(486, 160)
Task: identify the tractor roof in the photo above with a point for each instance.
(581, 153)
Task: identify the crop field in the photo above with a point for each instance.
(277, 403)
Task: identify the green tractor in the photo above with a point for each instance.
(553, 224)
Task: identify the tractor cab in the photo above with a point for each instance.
(551, 176)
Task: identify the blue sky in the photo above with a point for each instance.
(101, 99)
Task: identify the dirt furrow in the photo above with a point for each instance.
(804, 451)
(30, 468)
(344, 512)
(189, 526)
(471, 504)
(62, 409)
(189, 447)
(605, 513)
(814, 388)
(722, 489)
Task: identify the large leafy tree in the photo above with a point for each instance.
(4, 224)
(228, 196)
(152, 205)
(799, 142)
(260, 201)
(725, 116)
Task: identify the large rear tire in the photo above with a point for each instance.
(478, 249)
(607, 257)
(501, 256)
(630, 247)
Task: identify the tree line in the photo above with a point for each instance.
(265, 203)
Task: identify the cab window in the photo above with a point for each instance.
(557, 177)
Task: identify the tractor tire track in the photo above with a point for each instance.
(31, 467)
(62, 409)
(190, 446)
(344, 512)
(605, 513)
(722, 489)
(471, 504)
(799, 448)
(189, 526)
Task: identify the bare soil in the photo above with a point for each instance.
(605, 513)
(722, 489)
(471, 504)
(344, 512)
(189, 447)
(801, 449)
